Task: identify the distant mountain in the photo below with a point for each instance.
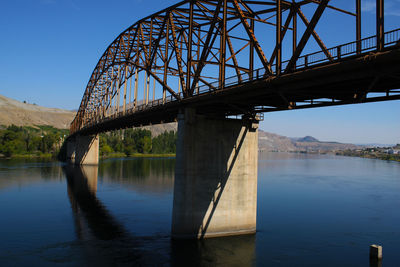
(307, 139)
(23, 114)
(273, 142)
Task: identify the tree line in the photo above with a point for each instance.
(137, 141)
(27, 140)
(48, 141)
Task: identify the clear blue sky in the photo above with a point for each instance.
(48, 49)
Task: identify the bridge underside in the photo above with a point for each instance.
(369, 78)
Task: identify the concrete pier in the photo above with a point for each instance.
(215, 190)
(83, 150)
(71, 147)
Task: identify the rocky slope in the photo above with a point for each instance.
(273, 142)
(22, 114)
(160, 128)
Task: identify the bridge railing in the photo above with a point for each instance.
(335, 53)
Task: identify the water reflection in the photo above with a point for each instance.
(82, 187)
(312, 211)
(375, 263)
(106, 239)
(223, 251)
(22, 173)
(145, 175)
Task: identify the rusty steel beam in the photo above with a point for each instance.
(358, 25)
(189, 47)
(315, 35)
(206, 49)
(253, 39)
(177, 52)
(380, 29)
(303, 41)
(222, 50)
(278, 37)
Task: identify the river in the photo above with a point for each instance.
(313, 210)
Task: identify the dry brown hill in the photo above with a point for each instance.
(274, 142)
(158, 129)
(22, 114)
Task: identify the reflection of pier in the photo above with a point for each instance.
(82, 187)
(143, 175)
(225, 251)
(106, 242)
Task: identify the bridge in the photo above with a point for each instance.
(216, 67)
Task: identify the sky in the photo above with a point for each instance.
(49, 48)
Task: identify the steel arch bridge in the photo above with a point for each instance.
(239, 57)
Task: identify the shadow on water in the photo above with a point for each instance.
(82, 187)
(221, 251)
(106, 241)
(144, 175)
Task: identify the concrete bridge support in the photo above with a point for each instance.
(71, 144)
(83, 150)
(215, 190)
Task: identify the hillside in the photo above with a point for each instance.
(273, 142)
(24, 114)
(158, 129)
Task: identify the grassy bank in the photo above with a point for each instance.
(29, 156)
(370, 153)
(380, 157)
(137, 155)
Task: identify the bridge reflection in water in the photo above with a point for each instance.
(106, 240)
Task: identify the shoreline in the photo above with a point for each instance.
(169, 155)
(30, 156)
(137, 155)
(386, 157)
(111, 156)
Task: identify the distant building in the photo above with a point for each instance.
(393, 151)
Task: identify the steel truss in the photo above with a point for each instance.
(200, 47)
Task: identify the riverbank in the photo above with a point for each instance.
(109, 156)
(29, 156)
(369, 155)
(137, 155)
(348, 153)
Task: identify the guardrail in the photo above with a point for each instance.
(336, 53)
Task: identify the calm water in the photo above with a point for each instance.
(312, 211)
